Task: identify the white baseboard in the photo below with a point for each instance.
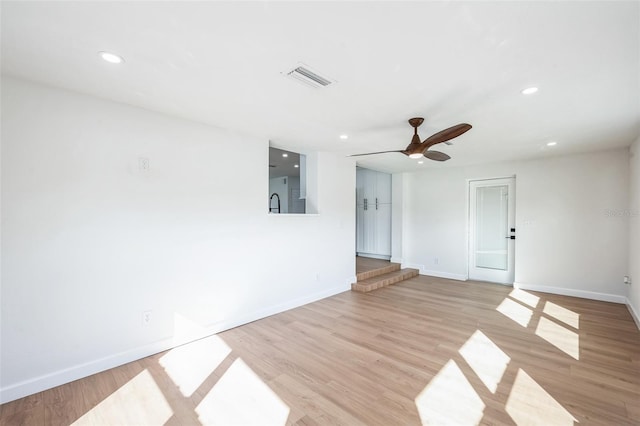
(412, 266)
(633, 313)
(60, 377)
(374, 256)
(439, 274)
(605, 297)
(447, 275)
(396, 260)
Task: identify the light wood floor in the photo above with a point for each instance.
(366, 264)
(423, 351)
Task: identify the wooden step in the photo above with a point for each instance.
(383, 280)
(376, 272)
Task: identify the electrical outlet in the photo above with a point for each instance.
(626, 280)
(146, 318)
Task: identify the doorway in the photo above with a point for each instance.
(492, 230)
(373, 214)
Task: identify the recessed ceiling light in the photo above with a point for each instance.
(529, 90)
(552, 143)
(296, 166)
(344, 137)
(285, 155)
(420, 162)
(111, 57)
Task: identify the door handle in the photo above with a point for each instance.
(511, 237)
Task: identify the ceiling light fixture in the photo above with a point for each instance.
(420, 162)
(112, 58)
(552, 143)
(416, 155)
(344, 137)
(285, 155)
(529, 90)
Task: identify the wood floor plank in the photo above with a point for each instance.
(364, 264)
(25, 411)
(424, 347)
(322, 410)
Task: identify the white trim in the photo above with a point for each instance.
(633, 313)
(57, 378)
(293, 214)
(490, 178)
(485, 274)
(352, 280)
(605, 297)
(447, 275)
(374, 256)
(60, 377)
(439, 274)
(412, 266)
(396, 260)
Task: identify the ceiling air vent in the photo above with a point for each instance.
(311, 78)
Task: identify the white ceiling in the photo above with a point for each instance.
(221, 63)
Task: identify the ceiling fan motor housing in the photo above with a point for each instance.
(414, 149)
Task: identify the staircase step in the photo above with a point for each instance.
(383, 280)
(377, 272)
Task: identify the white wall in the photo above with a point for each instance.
(633, 291)
(397, 218)
(566, 241)
(89, 242)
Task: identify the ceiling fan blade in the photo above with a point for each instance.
(371, 153)
(446, 134)
(436, 155)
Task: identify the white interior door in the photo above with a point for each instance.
(492, 230)
(383, 229)
(360, 243)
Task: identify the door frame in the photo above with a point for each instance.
(470, 227)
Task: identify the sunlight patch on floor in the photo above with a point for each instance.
(189, 366)
(530, 404)
(486, 359)
(449, 399)
(562, 338)
(139, 401)
(515, 311)
(186, 330)
(525, 297)
(565, 315)
(241, 398)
